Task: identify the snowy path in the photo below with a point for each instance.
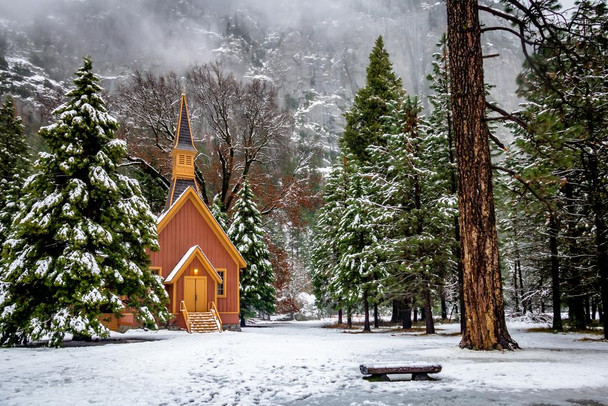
(300, 363)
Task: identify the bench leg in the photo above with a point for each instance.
(421, 376)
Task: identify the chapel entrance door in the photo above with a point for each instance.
(195, 293)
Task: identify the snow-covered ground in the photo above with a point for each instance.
(304, 364)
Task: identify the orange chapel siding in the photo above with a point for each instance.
(188, 228)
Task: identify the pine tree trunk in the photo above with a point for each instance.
(601, 242)
(515, 290)
(597, 197)
(524, 303)
(398, 309)
(485, 326)
(555, 280)
(407, 315)
(415, 313)
(366, 325)
(376, 321)
(428, 315)
(444, 307)
(349, 318)
(243, 321)
(340, 316)
(575, 300)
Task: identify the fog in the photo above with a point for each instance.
(307, 45)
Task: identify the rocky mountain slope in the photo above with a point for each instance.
(315, 52)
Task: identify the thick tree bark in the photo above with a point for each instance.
(428, 315)
(349, 318)
(366, 325)
(444, 307)
(555, 280)
(376, 320)
(340, 316)
(407, 315)
(485, 326)
(398, 309)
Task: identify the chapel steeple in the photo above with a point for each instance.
(183, 155)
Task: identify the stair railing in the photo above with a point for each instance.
(216, 316)
(182, 308)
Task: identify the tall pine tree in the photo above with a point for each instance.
(77, 248)
(325, 252)
(364, 119)
(14, 164)
(257, 290)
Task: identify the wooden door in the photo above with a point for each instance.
(195, 293)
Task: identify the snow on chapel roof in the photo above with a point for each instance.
(180, 266)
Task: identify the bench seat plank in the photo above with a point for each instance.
(405, 369)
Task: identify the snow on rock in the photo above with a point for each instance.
(301, 363)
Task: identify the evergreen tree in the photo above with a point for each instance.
(414, 207)
(364, 119)
(78, 246)
(358, 275)
(441, 152)
(218, 213)
(14, 164)
(364, 128)
(325, 252)
(566, 84)
(246, 232)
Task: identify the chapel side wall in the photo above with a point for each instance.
(230, 304)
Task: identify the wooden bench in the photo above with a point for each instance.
(381, 373)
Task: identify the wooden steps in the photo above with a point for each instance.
(203, 322)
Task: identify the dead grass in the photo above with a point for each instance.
(593, 339)
(566, 330)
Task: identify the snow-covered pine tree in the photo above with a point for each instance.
(440, 152)
(14, 164)
(257, 290)
(364, 119)
(78, 247)
(325, 253)
(218, 212)
(364, 128)
(413, 208)
(358, 275)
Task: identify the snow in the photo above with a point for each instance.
(304, 364)
(182, 261)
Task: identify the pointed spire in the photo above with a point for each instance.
(183, 136)
(183, 154)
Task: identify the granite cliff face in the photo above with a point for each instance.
(315, 52)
